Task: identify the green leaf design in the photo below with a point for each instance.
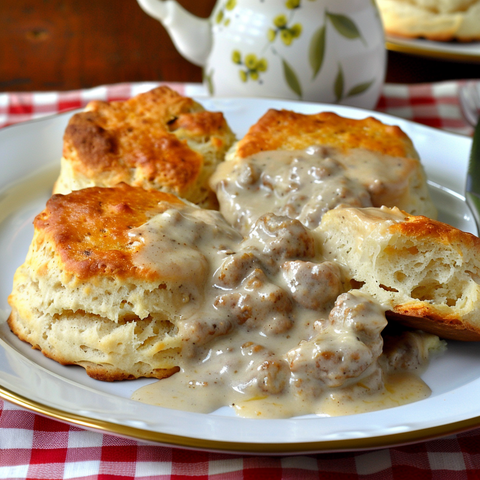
(344, 26)
(316, 52)
(219, 17)
(338, 85)
(360, 88)
(291, 78)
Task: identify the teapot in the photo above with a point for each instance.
(330, 51)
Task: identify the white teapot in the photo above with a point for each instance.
(329, 51)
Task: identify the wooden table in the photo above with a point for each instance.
(73, 44)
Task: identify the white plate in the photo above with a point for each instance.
(29, 162)
(461, 52)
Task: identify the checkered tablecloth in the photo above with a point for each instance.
(33, 447)
(435, 105)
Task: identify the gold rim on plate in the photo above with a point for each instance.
(165, 439)
(12, 392)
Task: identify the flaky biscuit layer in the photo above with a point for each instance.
(82, 298)
(425, 272)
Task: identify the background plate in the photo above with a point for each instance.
(29, 164)
(462, 52)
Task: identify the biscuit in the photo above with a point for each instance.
(375, 164)
(86, 295)
(443, 20)
(157, 140)
(426, 273)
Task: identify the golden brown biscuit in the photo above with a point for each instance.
(89, 229)
(426, 273)
(91, 293)
(157, 140)
(438, 20)
(368, 158)
(287, 130)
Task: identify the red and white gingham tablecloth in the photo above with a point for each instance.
(34, 447)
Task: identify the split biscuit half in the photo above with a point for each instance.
(425, 273)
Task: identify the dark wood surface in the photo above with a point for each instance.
(72, 44)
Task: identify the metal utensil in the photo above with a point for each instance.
(472, 187)
(469, 99)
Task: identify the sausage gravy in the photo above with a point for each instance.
(304, 184)
(271, 328)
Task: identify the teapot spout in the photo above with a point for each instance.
(191, 35)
